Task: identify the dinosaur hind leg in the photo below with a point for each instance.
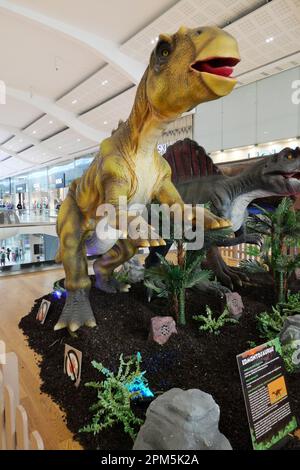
(225, 274)
(77, 310)
(104, 267)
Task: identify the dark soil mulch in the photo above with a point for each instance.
(191, 359)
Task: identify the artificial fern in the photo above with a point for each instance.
(114, 397)
(211, 324)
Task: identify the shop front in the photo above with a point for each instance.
(6, 197)
(21, 195)
(38, 193)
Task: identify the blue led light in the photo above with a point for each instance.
(58, 294)
(140, 387)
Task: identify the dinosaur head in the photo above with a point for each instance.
(190, 67)
(280, 173)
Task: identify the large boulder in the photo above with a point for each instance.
(182, 420)
(291, 330)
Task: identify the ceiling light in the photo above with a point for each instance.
(268, 40)
(60, 147)
(105, 122)
(20, 140)
(78, 140)
(152, 41)
(105, 82)
(74, 101)
(34, 132)
(50, 122)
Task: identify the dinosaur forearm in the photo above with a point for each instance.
(168, 194)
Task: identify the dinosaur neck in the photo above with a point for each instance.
(245, 183)
(144, 125)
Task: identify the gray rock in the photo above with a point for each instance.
(182, 420)
(291, 330)
(134, 270)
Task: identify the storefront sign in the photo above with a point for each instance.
(72, 364)
(37, 187)
(60, 181)
(21, 188)
(266, 397)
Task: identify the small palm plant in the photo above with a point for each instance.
(171, 280)
(281, 232)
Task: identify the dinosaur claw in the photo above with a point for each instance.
(59, 326)
(224, 223)
(155, 243)
(144, 244)
(214, 224)
(73, 326)
(91, 323)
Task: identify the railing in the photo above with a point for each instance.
(235, 254)
(14, 428)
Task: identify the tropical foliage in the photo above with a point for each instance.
(281, 232)
(171, 280)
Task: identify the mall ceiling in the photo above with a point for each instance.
(70, 67)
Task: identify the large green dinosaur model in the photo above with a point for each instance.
(229, 197)
(187, 68)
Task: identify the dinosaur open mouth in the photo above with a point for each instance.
(289, 176)
(222, 66)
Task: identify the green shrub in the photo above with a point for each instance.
(287, 356)
(171, 280)
(271, 323)
(281, 232)
(114, 397)
(211, 324)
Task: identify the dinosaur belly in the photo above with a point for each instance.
(238, 210)
(146, 175)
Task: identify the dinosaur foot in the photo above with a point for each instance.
(211, 288)
(231, 276)
(254, 239)
(77, 311)
(110, 285)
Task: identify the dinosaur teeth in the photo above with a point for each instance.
(292, 175)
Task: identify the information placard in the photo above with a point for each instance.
(266, 397)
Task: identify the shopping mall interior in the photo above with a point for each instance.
(189, 101)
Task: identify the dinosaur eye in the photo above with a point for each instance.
(290, 157)
(199, 32)
(163, 49)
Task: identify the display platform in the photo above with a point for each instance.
(191, 359)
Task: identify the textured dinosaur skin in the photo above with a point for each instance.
(188, 68)
(229, 196)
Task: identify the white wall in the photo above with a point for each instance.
(253, 114)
